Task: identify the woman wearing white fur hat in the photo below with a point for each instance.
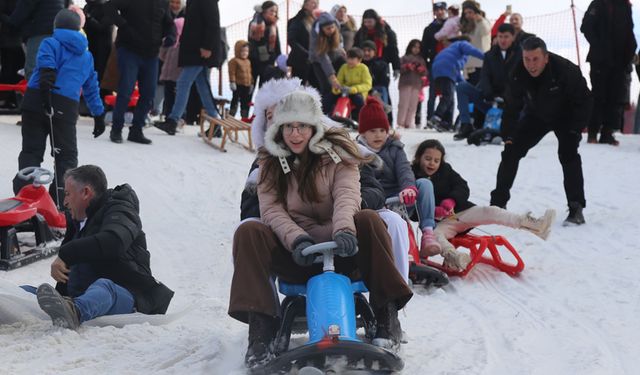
(309, 192)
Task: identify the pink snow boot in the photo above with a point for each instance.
(429, 245)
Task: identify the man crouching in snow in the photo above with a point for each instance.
(102, 267)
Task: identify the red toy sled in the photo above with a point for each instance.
(478, 247)
(110, 100)
(342, 110)
(20, 87)
(32, 210)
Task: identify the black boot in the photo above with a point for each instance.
(575, 214)
(262, 331)
(388, 332)
(135, 135)
(169, 126)
(465, 130)
(115, 135)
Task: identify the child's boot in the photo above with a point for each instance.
(428, 245)
(541, 226)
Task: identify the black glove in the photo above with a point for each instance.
(300, 244)
(347, 244)
(47, 81)
(98, 125)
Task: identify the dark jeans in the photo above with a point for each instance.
(169, 97)
(35, 130)
(134, 67)
(529, 133)
(243, 95)
(447, 88)
(608, 85)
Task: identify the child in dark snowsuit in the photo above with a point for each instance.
(64, 67)
(455, 214)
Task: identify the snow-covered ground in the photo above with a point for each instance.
(574, 310)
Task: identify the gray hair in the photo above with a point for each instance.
(89, 175)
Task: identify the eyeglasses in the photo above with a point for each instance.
(287, 129)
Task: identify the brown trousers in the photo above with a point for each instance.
(258, 254)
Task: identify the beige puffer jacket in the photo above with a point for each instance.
(339, 187)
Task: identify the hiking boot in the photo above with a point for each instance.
(115, 135)
(575, 215)
(454, 259)
(433, 122)
(428, 244)
(388, 331)
(262, 331)
(62, 310)
(168, 126)
(464, 132)
(135, 135)
(541, 226)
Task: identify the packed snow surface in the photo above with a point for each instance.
(574, 309)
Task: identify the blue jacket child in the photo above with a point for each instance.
(64, 69)
(450, 61)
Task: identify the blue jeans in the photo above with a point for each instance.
(134, 67)
(384, 93)
(469, 93)
(425, 204)
(103, 297)
(189, 74)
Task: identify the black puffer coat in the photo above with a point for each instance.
(114, 246)
(201, 30)
(448, 184)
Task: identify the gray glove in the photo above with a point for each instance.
(396, 73)
(232, 86)
(347, 244)
(300, 244)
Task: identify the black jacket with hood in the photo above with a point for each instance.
(113, 246)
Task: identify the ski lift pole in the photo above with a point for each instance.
(575, 31)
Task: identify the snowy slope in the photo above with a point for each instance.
(574, 309)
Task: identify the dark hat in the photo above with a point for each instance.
(440, 5)
(67, 19)
(474, 6)
(369, 44)
(372, 116)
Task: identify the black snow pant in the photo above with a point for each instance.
(529, 133)
(35, 129)
(242, 94)
(608, 85)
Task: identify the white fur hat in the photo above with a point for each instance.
(269, 95)
(299, 106)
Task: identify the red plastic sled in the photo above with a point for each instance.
(478, 247)
(20, 87)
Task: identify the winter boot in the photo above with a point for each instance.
(262, 331)
(135, 135)
(434, 122)
(606, 137)
(429, 245)
(169, 126)
(575, 215)
(62, 310)
(115, 135)
(454, 259)
(388, 332)
(541, 226)
(464, 132)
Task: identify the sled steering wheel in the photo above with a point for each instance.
(326, 250)
(39, 176)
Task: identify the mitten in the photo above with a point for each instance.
(347, 244)
(98, 125)
(300, 244)
(233, 86)
(408, 196)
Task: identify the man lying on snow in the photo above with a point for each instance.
(103, 264)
